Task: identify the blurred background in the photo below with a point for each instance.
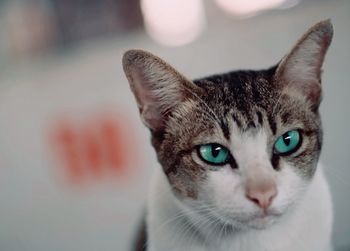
(75, 160)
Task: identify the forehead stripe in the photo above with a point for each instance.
(235, 119)
(225, 129)
(260, 118)
(272, 124)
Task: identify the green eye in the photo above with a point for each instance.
(288, 142)
(213, 154)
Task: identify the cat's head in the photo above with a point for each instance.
(240, 146)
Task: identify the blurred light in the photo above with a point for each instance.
(249, 7)
(173, 22)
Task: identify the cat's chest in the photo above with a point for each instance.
(245, 242)
(252, 242)
(301, 229)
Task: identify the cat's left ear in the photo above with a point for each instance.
(301, 69)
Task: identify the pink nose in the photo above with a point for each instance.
(261, 193)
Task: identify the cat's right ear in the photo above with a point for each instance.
(157, 86)
(301, 69)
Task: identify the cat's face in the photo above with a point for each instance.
(230, 139)
(241, 147)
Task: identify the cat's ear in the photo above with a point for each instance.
(301, 69)
(157, 86)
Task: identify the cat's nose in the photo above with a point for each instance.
(261, 193)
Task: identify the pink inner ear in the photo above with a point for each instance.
(301, 68)
(148, 103)
(313, 93)
(140, 88)
(152, 117)
(311, 90)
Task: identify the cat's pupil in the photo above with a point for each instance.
(286, 139)
(215, 150)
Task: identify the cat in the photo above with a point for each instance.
(238, 152)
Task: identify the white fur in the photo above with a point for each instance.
(299, 218)
(306, 227)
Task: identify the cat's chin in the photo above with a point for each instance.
(262, 222)
(257, 221)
